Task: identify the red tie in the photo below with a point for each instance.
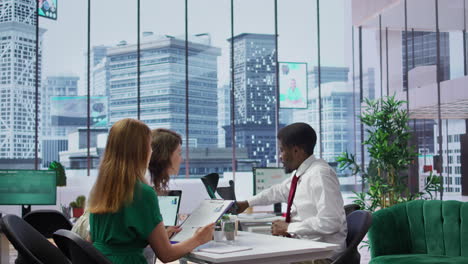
(292, 192)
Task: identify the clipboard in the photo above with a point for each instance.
(209, 211)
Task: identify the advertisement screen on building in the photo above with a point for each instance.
(72, 110)
(293, 84)
(48, 9)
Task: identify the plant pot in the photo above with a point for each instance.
(77, 212)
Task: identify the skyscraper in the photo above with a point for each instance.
(17, 84)
(255, 96)
(329, 74)
(163, 85)
(422, 48)
(54, 137)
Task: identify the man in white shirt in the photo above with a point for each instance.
(315, 205)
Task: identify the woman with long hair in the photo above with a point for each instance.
(124, 210)
(166, 158)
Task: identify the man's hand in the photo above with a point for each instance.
(242, 206)
(280, 228)
(171, 230)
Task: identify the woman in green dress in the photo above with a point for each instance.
(124, 211)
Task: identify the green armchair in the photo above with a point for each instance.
(420, 232)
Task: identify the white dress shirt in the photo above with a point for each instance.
(317, 211)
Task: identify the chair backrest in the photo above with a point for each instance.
(47, 221)
(358, 223)
(227, 193)
(431, 227)
(32, 247)
(78, 250)
(349, 208)
(211, 183)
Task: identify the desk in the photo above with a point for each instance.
(266, 249)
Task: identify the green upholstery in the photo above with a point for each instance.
(420, 232)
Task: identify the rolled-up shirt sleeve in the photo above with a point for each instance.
(323, 193)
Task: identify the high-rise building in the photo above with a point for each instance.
(17, 83)
(162, 90)
(337, 134)
(54, 136)
(255, 97)
(328, 74)
(224, 113)
(422, 47)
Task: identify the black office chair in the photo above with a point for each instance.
(349, 208)
(47, 221)
(78, 250)
(358, 223)
(32, 247)
(227, 193)
(211, 183)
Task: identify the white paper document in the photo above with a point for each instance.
(209, 211)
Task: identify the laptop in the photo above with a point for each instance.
(169, 207)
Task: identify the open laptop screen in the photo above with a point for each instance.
(169, 207)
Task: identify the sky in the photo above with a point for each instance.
(65, 41)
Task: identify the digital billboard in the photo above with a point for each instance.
(293, 84)
(72, 110)
(48, 9)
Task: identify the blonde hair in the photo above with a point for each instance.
(124, 163)
(164, 142)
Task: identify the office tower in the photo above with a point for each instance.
(17, 84)
(162, 90)
(328, 74)
(224, 113)
(99, 71)
(451, 149)
(338, 133)
(255, 99)
(54, 136)
(423, 52)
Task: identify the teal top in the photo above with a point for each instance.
(123, 235)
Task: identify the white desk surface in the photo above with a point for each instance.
(266, 249)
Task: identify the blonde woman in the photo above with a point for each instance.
(124, 211)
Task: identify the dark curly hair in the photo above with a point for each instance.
(163, 142)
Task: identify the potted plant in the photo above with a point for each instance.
(78, 206)
(387, 142)
(60, 170)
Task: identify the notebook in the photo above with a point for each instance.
(169, 207)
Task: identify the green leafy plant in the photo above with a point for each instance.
(387, 142)
(79, 202)
(60, 171)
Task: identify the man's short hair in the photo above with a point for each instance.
(298, 134)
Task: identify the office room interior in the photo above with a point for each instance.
(384, 84)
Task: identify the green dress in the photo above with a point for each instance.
(123, 235)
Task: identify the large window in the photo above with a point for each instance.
(192, 67)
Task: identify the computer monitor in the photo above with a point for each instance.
(265, 177)
(28, 187)
(169, 207)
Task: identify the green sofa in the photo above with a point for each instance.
(420, 232)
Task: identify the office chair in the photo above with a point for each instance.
(358, 223)
(349, 208)
(47, 221)
(78, 250)
(227, 193)
(32, 247)
(211, 183)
